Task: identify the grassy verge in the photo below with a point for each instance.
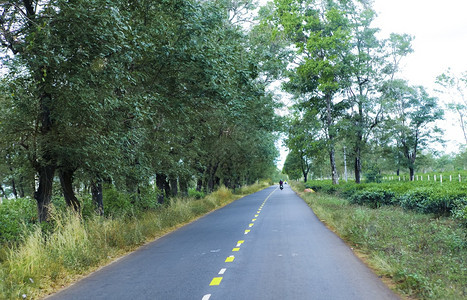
(424, 257)
(41, 263)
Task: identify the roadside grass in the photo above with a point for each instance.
(423, 256)
(45, 261)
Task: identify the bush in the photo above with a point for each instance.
(15, 214)
(116, 203)
(193, 193)
(460, 211)
(433, 200)
(373, 176)
(373, 198)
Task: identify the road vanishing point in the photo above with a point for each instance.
(268, 245)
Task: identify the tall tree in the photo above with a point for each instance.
(373, 61)
(66, 70)
(321, 32)
(414, 112)
(455, 87)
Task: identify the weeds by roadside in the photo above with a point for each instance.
(45, 262)
(424, 256)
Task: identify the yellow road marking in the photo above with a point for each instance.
(236, 249)
(252, 220)
(246, 231)
(230, 258)
(251, 225)
(216, 281)
(240, 242)
(256, 216)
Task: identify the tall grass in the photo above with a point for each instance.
(425, 257)
(47, 260)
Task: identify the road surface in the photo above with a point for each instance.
(268, 245)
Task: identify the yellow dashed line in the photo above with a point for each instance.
(240, 242)
(216, 281)
(230, 258)
(252, 220)
(246, 231)
(251, 225)
(236, 249)
(256, 216)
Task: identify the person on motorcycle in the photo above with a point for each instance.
(281, 184)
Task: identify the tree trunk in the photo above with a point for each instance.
(199, 185)
(183, 182)
(305, 175)
(411, 172)
(212, 177)
(330, 130)
(358, 166)
(43, 195)
(3, 192)
(66, 181)
(162, 186)
(332, 157)
(173, 186)
(97, 197)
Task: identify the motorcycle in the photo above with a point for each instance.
(281, 186)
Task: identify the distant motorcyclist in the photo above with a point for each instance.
(281, 184)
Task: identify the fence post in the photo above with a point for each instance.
(450, 177)
(400, 178)
(441, 178)
(459, 177)
(417, 177)
(421, 177)
(434, 176)
(428, 177)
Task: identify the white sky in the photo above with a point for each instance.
(440, 30)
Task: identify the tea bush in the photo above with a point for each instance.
(460, 211)
(373, 198)
(425, 197)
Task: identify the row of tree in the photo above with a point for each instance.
(344, 79)
(133, 92)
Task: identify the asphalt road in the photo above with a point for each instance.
(268, 245)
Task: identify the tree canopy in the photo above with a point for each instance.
(128, 93)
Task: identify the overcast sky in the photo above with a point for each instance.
(440, 30)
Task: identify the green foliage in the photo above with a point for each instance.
(373, 198)
(117, 203)
(373, 175)
(193, 193)
(432, 200)
(460, 211)
(17, 216)
(424, 197)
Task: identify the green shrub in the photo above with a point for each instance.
(116, 203)
(434, 200)
(15, 214)
(459, 211)
(373, 198)
(147, 199)
(373, 176)
(193, 193)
